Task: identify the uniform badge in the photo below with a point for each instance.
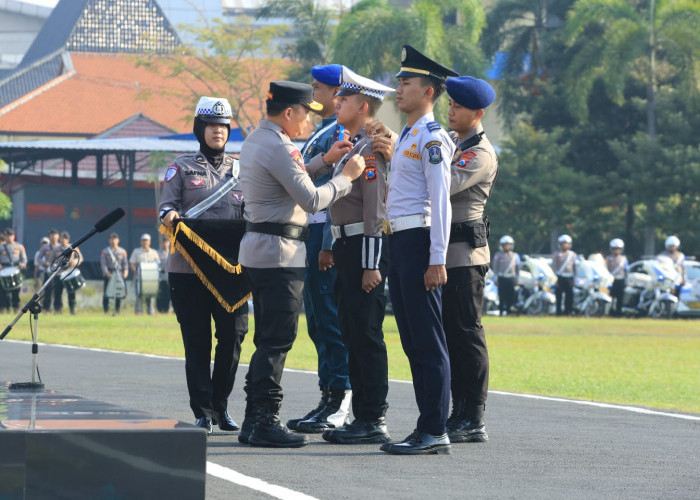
(170, 173)
(414, 131)
(298, 159)
(238, 197)
(434, 152)
(403, 54)
(370, 174)
(197, 182)
(412, 154)
(414, 146)
(465, 158)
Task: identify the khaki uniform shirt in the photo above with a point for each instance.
(473, 173)
(677, 258)
(191, 179)
(506, 264)
(48, 254)
(558, 260)
(12, 254)
(278, 189)
(617, 265)
(140, 255)
(113, 259)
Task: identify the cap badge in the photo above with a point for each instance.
(218, 108)
(403, 54)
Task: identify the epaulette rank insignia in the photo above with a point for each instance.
(433, 126)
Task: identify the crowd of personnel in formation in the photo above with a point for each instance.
(146, 265)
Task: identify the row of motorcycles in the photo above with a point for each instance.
(649, 289)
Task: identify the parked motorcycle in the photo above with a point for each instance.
(650, 287)
(490, 305)
(591, 287)
(534, 292)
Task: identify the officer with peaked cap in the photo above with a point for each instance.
(190, 179)
(319, 281)
(564, 266)
(418, 223)
(474, 170)
(279, 193)
(360, 258)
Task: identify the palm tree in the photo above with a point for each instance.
(631, 45)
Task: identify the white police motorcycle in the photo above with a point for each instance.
(650, 287)
(534, 292)
(591, 287)
(491, 302)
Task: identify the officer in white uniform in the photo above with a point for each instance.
(618, 266)
(564, 266)
(419, 216)
(506, 266)
(279, 193)
(189, 180)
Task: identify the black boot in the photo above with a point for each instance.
(325, 394)
(269, 432)
(333, 416)
(456, 415)
(359, 432)
(470, 427)
(249, 419)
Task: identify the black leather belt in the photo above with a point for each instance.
(291, 231)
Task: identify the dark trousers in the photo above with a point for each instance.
(10, 299)
(195, 307)
(506, 293)
(462, 300)
(276, 304)
(361, 316)
(617, 293)
(105, 299)
(163, 297)
(322, 316)
(565, 286)
(419, 318)
(55, 291)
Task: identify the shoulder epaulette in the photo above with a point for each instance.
(433, 126)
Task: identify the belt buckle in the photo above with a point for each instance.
(386, 227)
(292, 231)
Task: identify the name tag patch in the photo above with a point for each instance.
(412, 154)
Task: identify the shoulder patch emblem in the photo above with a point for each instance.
(298, 159)
(170, 173)
(435, 153)
(433, 143)
(466, 158)
(433, 126)
(412, 154)
(238, 197)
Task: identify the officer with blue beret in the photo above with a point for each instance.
(319, 280)
(473, 171)
(418, 225)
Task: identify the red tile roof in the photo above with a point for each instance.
(102, 92)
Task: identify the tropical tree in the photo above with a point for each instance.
(634, 48)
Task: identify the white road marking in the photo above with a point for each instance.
(253, 483)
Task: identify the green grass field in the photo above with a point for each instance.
(650, 363)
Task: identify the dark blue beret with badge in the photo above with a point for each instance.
(470, 92)
(414, 63)
(330, 74)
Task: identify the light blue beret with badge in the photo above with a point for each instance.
(330, 74)
(470, 92)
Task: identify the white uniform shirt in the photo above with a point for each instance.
(420, 181)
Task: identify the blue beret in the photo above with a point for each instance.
(331, 74)
(470, 92)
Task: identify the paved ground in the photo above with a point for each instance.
(538, 448)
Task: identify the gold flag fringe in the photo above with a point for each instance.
(171, 234)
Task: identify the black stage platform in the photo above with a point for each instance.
(60, 446)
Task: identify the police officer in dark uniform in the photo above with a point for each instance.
(418, 223)
(12, 253)
(474, 170)
(279, 193)
(189, 180)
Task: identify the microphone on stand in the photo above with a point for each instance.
(104, 223)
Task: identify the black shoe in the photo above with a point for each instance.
(456, 415)
(420, 443)
(205, 423)
(269, 432)
(469, 428)
(332, 416)
(325, 394)
(225, 422)
(359, 432)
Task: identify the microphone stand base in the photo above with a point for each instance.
(27, 386)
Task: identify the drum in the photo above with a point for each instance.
(72, 279)
(116, 288)
(10, 278)
(147, 279)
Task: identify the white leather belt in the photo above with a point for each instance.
(406, 222)
(318, 217)
(348, 230)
